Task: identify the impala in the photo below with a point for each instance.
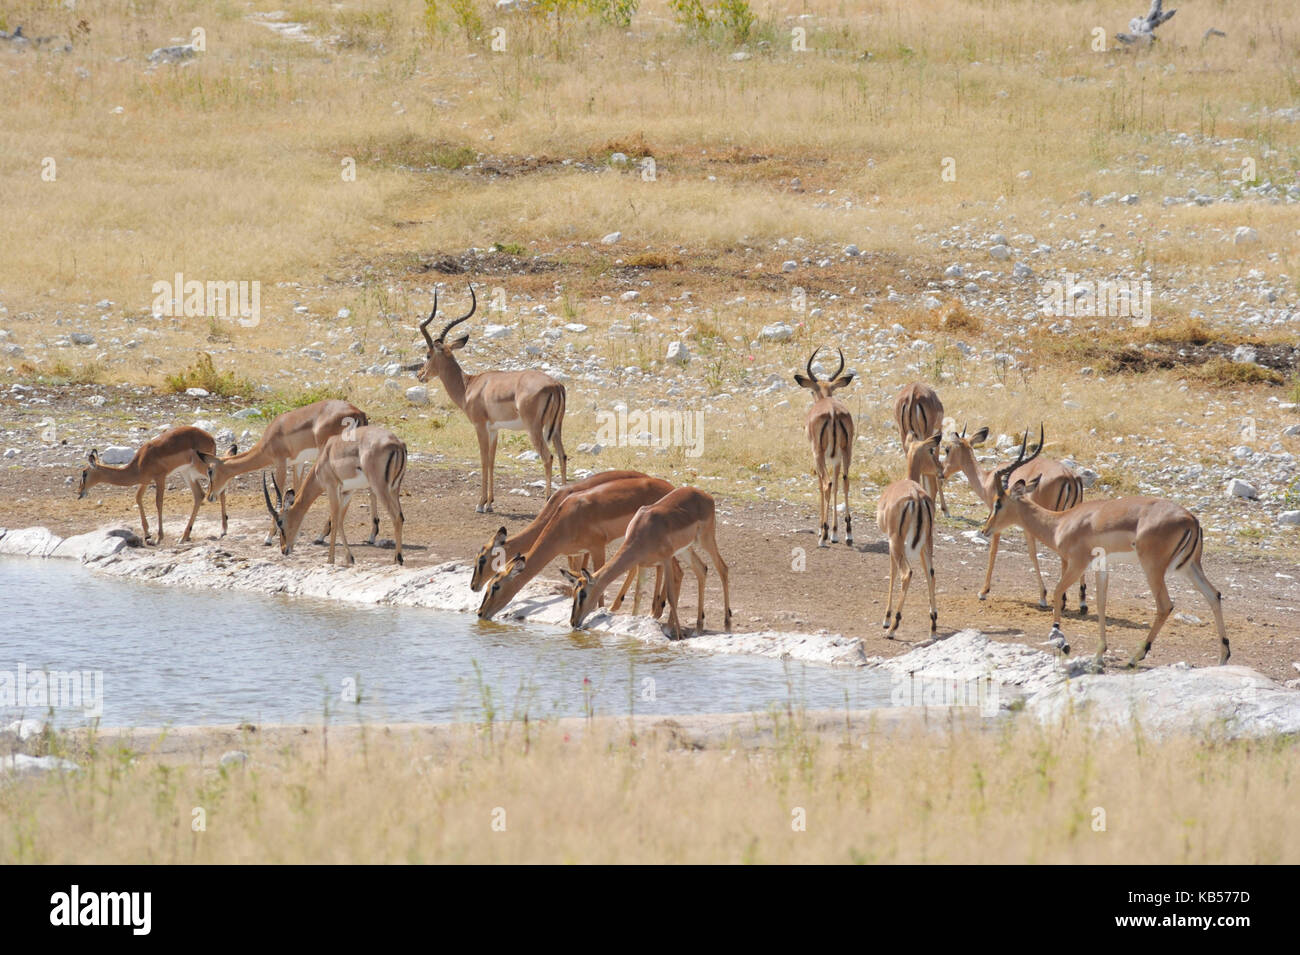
(178, 449)
(369, 457)
(491, 559)
(906, 515)
(1058, 489)
(583, 523)
(289, 445)
(496, 401)
(1157, 534)
(919, 412)
(655, 535)
(830, 430)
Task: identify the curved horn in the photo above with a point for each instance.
(266, 493)
(472, 307)
(811, 376)
(1004, 473)
(424, 325)
(841, 368)
(963, 429)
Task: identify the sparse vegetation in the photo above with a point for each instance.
(203, 374)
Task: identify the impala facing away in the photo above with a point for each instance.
(496, 401)
(369, 457)
(830, 430)
(178, 449)
(492, 558)
(1157, 534)
(919, 412)
(292, 440)
(1058, 489)
(655, 535)
(585, 522)
(906, 515)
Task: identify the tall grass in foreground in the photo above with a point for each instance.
(596, 792)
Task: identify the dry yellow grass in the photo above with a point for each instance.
(555, 794)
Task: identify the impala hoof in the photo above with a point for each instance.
(479, 509)
(984, 595)
(1042, 603)
(1083, 610)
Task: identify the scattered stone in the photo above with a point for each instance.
(677, 353)
(780, 332)
(1239, 488)
(417, 395)
(611, 238)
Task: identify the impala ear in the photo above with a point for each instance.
(93, 456)
(458, 343)
(234, 449)
(516, 566)
(841, 381)
(1020, 487)
(206, 458)
(499, 538)
(979, 437)
(570, 576)
(288, 499)
(586, 575)
(802, 382)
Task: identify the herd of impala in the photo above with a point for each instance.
(331, 448)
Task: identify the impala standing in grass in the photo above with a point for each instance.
(1158, 535)
(176, 450)
(919, 412)
(496, 401)
(905, 515)
(289, 445)
(371, 457)
(830, 430)
(1058, 489)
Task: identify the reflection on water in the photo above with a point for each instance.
(179, 656)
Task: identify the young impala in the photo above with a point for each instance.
(1159, 535)
(919, 412)
(176, 450)
(289, 445)
(1059, 489)
(492, 557)
(655, 535)
(584, 523)
(369, 457)
(496, 401)
(906, 515)
(829, 427)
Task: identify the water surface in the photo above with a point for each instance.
(171, 655)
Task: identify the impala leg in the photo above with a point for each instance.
(889, 605)
(848, 517)
(906, 582)
(225, 520)
(823, 529)
(833, 496)
(197, 490)
(374, 520)
(710, 542)
(701, 572)
(988, 573)
(1032, 544)
(1164, 607)
(1196, 575)
(493, 437)
(943, 501)
(539, 445)
(558, 443)
(927, 568)
(627, 582)
(342, 531)
(1103, 587)
(674, 625)
(139, 503)
(484, 468)
(160, 488)
(1070, 572)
